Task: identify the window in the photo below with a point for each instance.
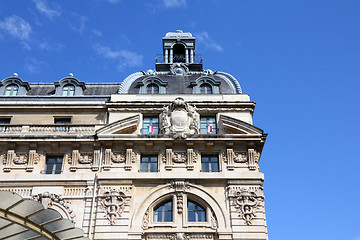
(196, 213)
(149, 163)
(207, 125)
(4, 121)
(205, 88)
(68, 90)
(60, 122)
(152, 89)
(209, 163)
(11, 90)
(150, 125)
(53, 165)
(163, 212)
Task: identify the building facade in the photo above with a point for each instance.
(169, 153)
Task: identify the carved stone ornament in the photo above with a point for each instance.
(179, 69)
(246, 202)
(113, 203)
(240, 157)
(20, 159)
(146, 220)
(117, 157)
(53, 200)
(179, 119)
(179, 157)
(85, 158)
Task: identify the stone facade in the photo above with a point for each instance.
(113, 161)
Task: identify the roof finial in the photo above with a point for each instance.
(15, 74)
(71, 75)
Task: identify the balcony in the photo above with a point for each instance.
(47, 129)
(178, 58)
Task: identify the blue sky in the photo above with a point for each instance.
(299, 60)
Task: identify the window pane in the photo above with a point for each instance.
(196, 213)
(207, 125)
(150, 125)
(53, 165)
(210, 164)
(149, 164)
(163, 212)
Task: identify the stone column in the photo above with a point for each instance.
(166, 56)
(191, 55)
(186, 55)
(171, 56)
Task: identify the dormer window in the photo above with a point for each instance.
(13, 86)
(11, 90)
(69, 86)
(152, 88)
(205, 89)
(68, 90)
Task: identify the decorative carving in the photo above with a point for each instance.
(146, 220)
(118, 157)
(180, 186)
(85, 158)
(254, 157)
(53, 200)
(246, 202)
(113, 203)
(240, 157)
(20, 159)
(179, 157)
(213, 221)
(179, 119)
(179, 69)
(179, 202)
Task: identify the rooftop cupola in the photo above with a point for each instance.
(178, 47)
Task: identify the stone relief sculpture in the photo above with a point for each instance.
(240, 157)
(113, 203)
(85, 158)
(246, 202)
(179, 119)
(20, 159)
(50, 200)
(117, 157)
(179, 157)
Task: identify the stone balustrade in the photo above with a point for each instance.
(53, 129)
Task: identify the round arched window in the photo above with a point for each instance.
(196, 213)
(163, 212)
(68, 90)
(205, 88)
(11, 90)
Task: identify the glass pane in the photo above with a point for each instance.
(196, 213)
(163, 213)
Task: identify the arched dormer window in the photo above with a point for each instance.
(206, 85)
(152, 85)
(13, 86)
(69, 86)
(152, 88)
(68, 90)
(205, 88)
(163, 212)
(196, 213)
(11, 90)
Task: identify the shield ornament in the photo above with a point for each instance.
(179, 120)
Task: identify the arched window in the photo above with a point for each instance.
(196, 213)
(11, 90)
(152, 88)
(179, 53)
(164, 212)
(68, 90)
(205, 88)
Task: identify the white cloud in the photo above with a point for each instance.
(51, 46)
(126, 58)
(33, 65)
(205, 39)
(44, 8)
(97, 32)
(16, 27)
(114, 1)
(174, 3)
(78, 22)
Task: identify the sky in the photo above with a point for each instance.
(299, 61)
